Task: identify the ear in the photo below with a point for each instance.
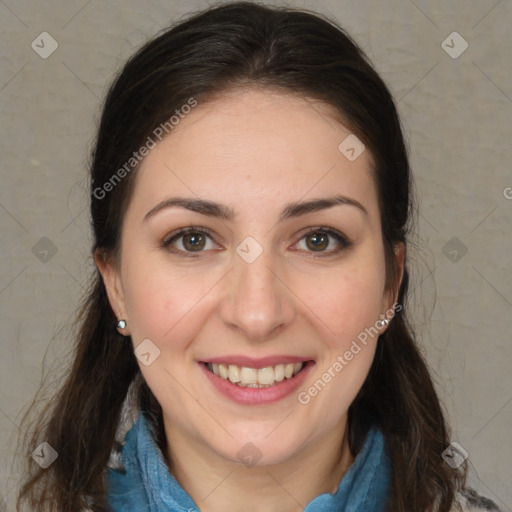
(391, 294)
(111, 276)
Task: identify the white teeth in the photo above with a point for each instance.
(223, 371)
(255, 377)
(266, 375)
(234, 373)
(279, 372)
(248, 376)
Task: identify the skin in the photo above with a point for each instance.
(254, 151)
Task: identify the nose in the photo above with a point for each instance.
(257, 303)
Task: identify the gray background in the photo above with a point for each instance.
(456, 115)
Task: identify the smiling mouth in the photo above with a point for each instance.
(266, 377)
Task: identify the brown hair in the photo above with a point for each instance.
(225, 47)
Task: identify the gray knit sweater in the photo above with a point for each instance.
(470, 501)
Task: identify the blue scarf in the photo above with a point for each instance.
(148, 486)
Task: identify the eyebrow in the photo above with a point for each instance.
(212, 209)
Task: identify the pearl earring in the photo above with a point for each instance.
(121, 326)
(383, 322)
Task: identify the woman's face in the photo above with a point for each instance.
(282, 270)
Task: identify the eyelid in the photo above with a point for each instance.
(167, 241)
(184, 231)
(341, 238)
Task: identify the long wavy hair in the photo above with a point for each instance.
(223, 48)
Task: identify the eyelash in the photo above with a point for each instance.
(342, 240)
(167, 243)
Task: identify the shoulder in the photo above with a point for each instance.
(470, 501)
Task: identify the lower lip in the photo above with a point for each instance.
(258, 396)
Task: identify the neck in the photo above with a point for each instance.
(215, 483)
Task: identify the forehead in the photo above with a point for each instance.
(256, 147)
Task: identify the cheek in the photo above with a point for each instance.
(162, 301)
(344, 302)
(146, 299)
(348, 303)
(165, 306)
(348, 309)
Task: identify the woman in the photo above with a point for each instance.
(245, 343)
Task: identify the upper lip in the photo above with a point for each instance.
(257, 362)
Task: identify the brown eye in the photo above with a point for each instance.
(189, 240)
(323, 241)
(317, 241)
(194, 241)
